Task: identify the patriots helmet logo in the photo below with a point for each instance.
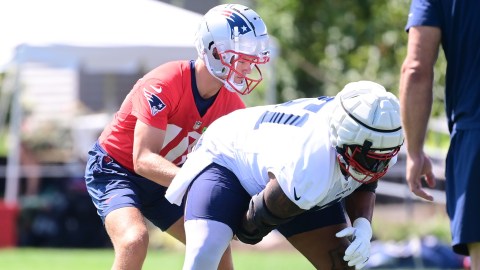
(234, 20)
(156, 104)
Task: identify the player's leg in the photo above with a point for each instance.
(313, 234)
(207, 241)
(214, 207)
(125, 224)
(474, 250)
(128, 232)
(115, 196)
(462, 190)
(322, 248)
(177, 230)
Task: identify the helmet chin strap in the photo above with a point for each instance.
(365, 148)
(342, 151)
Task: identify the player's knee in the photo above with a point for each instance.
(134, 239)
(204, 249)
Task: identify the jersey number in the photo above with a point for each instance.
(277, 117)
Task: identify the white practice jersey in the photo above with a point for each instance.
(290, 140)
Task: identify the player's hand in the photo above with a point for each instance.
(358, 253)
(248, 233)
(418, 166)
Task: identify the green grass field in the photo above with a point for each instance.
(101, 259)
(390, 223)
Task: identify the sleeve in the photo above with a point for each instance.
(153, 102)
(305, 194)
(304, 184)
(423, 13)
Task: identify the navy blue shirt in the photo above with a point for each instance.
(459, 21)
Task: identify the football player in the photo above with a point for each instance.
(140, 151)
(451, 29)
(293, 167)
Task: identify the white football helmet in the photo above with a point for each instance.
(230, 34)
(365, 129)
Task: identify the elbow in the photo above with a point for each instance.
(416, 72)
(139, 166)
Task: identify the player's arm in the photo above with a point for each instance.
(361, 202)
(147, 162)
(267, 210)
(416, 92)
(359, 206)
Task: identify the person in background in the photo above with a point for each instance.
(455, 25)
(141, 150)
(289, 167)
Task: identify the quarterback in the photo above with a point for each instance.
(140, 151)
(293, 167)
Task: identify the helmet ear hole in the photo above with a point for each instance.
(215, 54)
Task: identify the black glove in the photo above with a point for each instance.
(258, 221)
(249, 238)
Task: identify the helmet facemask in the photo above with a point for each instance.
(237, 62)
(364, 164)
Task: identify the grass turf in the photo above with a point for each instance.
(92, 259)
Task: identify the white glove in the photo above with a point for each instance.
(360, 234)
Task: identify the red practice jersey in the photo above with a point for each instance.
(164, 99)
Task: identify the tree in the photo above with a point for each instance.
(326, 44)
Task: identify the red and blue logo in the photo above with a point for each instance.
(156, 104)
(235, 20)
